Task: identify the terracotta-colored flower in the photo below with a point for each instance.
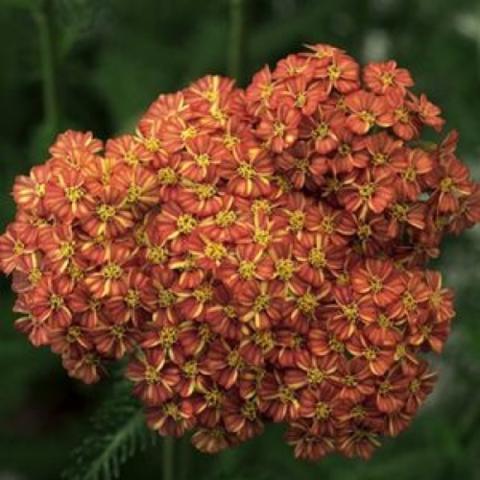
(385, 77)
(280, 130)
(378, 278)
(153, 379)
(367, 110)
(254, 255)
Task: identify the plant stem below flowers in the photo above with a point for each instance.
(168, 458)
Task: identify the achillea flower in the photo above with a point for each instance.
(257, 256)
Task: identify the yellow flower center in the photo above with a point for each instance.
(278, 129)
(56, 302)
(415, 385)
(171, 410)
(67, 249)
(106, 212)
(262, 237)
(300, 99)
(367, 117)
(230, 311)
(400, 212)
(168, 336)
(40, 189)
(315, 376)
(336, 345)
(249, 410)
(215, 251)
(246, 171)
(203, 294)
(190, 368)
(383, 321)
(387, 79)
(384, 388)
(202, 160)
(364, 231)
(307, 303)
(350, 312)
(112, 271)
(225, 218)
(132, 298)
(35, 275)
(157, 254)
(344, 149)
(133, 193)
(131, 158)
(366, 191)
(166, 298)
(246, 269)
(151, 375)
(322, 411)
(213, 398)
(297, 220)
(379, 159)
(152, 144)
(205, 191)
(74, 194)
(328, 225)
(370, 354)
(73, 333)
(188, 133)
(302, 164)
(284, 269)
(261, 303)
(316, 258)
(409, 301)
(18, 247)
(186, 223)
(234, 360)
(167, 176)
(264, 340)
(333, 72)
(376, 285)
(410, 174)
(261, 206)
(321, 131)
(230, 141)
(447, 185)
(286, 395)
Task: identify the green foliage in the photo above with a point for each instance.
(111, 59)
(118, 432)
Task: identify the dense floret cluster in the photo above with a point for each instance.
(258, 255)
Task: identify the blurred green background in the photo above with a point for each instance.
(92, 64)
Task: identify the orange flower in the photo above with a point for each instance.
(367, 110)
(173, 418)
(385, 77)
(49, 301)
(242, 417)
(153, 379)
(29, 192)
(378, 278)
(279, 129)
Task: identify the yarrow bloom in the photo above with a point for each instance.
(257, 255)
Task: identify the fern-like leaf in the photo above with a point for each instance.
(118, 432)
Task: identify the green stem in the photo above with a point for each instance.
(49, 93)
(236, 39)
(168, 459)
(185, 454)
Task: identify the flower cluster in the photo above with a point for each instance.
(258, 255)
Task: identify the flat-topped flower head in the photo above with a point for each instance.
(255, 256)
